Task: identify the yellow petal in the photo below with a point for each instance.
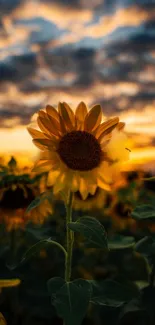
(83, 188)
(107, 131)
(49, 155)
(46, 143)
(60, 183)
(120, 126)
(50, 123)
(62, 125)
(52, 112)
(47, 126)
(36, 134)
(102, 184)
(104, 141)
(52, 177)
(39, 145)
(92, 189)
(93, 118)
(9, 283)
(42, 165)
(42, 127)
(81, 112)
(70, 113)
(54, 124)
(2, 320)
(106, 172)
(74, 183)
(107, 127)
(42, 113)
(64, 113)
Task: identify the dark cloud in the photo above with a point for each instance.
(109, 6)
(69, 3)
(16, 110)
(80, 4)
(7, 6)
(60, 60)
(121, 102)
(150, 25)
(68, 59)
(85, 66)
(145, 4)
(141, 99)
(18, 67)
(44, 63)
(109, 105)
(139, 42)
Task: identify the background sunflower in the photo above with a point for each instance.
(17, 190)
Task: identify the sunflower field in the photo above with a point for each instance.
(77, 232)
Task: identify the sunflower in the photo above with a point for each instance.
(119, 213)
(17, 190)
(16, 193)
(96, 201)
(18, 218)
(80, 151)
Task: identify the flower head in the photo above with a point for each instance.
(17, 191)
(80, 151)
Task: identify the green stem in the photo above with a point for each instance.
(69, 238)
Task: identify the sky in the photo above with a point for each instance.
(98, 51)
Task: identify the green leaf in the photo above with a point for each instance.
(39, 199)
(92, 230)
(118, 242)
(35, 203)
(133, 313)
(54, 285)
(142, 284)
(34, 249)
(71, 299)
(38, 246)
(144, 212)
(146, 246)
(112, 293)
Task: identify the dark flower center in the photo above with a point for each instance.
(16, 199)
(122, 210)
(80, 150)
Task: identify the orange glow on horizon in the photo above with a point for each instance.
(17, 142)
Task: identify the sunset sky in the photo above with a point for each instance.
(98, 51)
